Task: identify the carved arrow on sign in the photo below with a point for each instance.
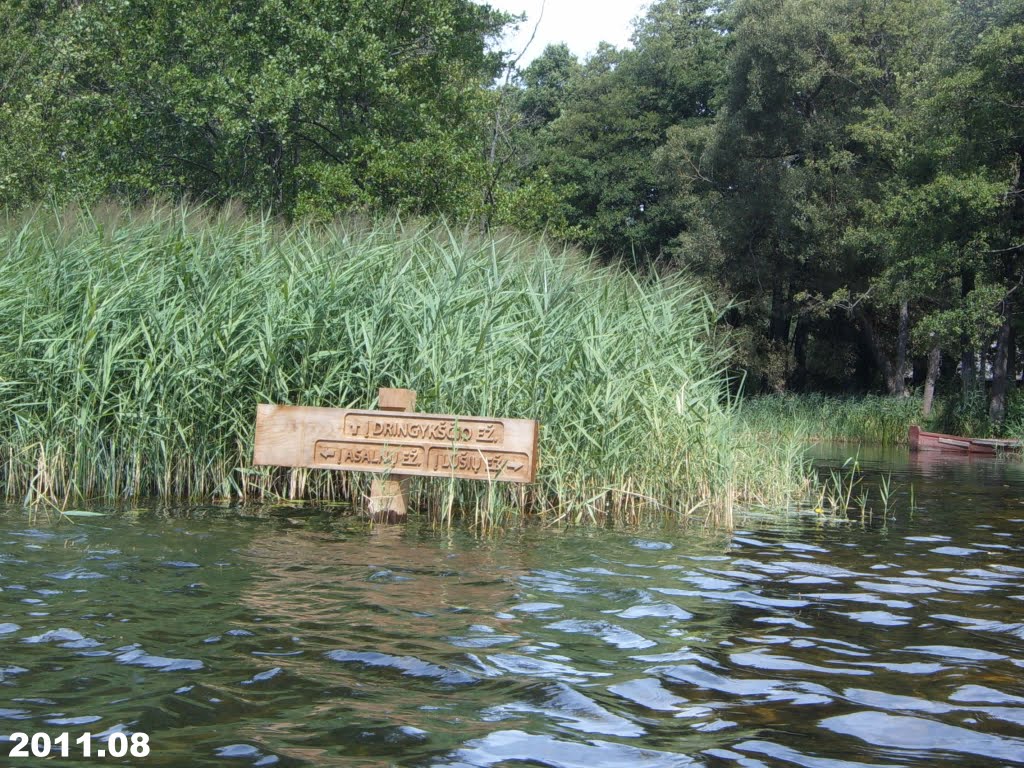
(514, 467)
(330, 453)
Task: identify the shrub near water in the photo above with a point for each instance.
(134, 348)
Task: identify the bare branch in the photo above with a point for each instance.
(1017, 247)
(529, 42)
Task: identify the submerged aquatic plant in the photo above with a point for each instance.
(849, 489)
(135, 346)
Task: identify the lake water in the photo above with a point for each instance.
(288, 637)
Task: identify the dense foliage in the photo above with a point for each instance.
(306, 107)
(846, 175)
(849, 173)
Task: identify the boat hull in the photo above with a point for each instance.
(936, 441)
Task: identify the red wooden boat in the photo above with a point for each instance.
(936, 441)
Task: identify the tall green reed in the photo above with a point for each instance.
(135, 345)
(869, 418)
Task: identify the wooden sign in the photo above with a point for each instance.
(391, 441)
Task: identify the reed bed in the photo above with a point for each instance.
(869, 418)
(135, 345)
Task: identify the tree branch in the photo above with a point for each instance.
(1011, 249)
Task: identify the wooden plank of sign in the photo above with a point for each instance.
(430, 445)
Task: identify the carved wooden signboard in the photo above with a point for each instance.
(391, 441)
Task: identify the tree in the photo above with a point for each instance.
(305, 107)
(982, 93)
(600, 124)
(814, 88)
(546, 82)
(27, 106)
(950, 218)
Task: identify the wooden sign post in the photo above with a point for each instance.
(387, 495)
(395, 441)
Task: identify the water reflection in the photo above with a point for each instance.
(298, 640)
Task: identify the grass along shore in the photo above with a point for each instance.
(877, 419)
(813, 417)
(135, 345)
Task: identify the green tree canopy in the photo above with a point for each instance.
(305, 106)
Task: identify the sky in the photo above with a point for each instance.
(580, 23)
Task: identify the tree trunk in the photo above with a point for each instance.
(967, 355)
(778, 327)
(934, 361)
(882, 362)
(968, 370)
(1001, 368)
(895, 380)
(1011, 356)
(798, 379)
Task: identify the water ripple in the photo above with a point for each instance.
(409, 666)
(799, 642)
(503, 746)
(920, 735)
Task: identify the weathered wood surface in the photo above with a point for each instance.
(388, 493)
(430, 445)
